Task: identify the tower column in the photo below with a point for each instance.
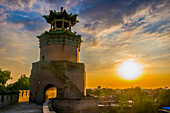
(51, 25)
(54, 24)
(69, 25)
(63, 23)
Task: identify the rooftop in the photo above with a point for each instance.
(61, 15)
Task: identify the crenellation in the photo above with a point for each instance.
(8, 98)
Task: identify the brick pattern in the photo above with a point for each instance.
(59, 65)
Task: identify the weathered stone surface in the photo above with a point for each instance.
(8, 97)
(23, 107)
(63, 37)
(59, 46)
(55, 52)
(75, 105)
(64, 75)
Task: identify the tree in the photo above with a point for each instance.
(121, 110)
(145, 104)
(4, 77)
(22, 83)
(136, 101)
(164, 98)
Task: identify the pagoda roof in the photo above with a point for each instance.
(58, 32)
(60, 15)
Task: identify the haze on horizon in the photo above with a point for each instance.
(113, 31)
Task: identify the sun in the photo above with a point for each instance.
(130, 69)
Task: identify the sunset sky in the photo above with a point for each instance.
(113, 31)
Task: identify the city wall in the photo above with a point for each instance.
(11, 97)
(24, 95)
(8, 97)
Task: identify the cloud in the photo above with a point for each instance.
(158, 26)
(66, 4)
(105, 14)
(31, 21)
(32, 24)
(17, 4)
(112, 31)
(16, 43)
(2, 50)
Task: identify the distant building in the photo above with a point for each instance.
(98, 87)
(165, 110)
(166, 88)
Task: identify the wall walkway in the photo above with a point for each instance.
(23, 107)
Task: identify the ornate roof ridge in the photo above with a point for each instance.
(59, 31)
(59, 15)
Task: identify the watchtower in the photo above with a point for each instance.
(59, 60)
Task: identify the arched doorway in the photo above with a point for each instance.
(50, 91)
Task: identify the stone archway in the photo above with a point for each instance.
(66, 76)
(50, 91)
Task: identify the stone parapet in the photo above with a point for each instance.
(60, 37)
(46, 108)
(8, 97)
(75, 105)
(68, 65)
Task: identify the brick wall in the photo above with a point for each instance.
(59, 52)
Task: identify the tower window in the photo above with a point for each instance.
(43, 57)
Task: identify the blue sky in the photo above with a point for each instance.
(112, 32)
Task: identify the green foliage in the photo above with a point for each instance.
(121, 110)
(4, 77)
(164, 98)
(145, 104)
(134, 100)
(106, 111)
(22, 84)
(99, 92)
(2, 87)
(114, 109)
(137, 100)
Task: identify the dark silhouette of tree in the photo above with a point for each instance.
(22, 83)
(4, 77)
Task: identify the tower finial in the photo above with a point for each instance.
(61, 9)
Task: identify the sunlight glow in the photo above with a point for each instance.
(130, 69)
